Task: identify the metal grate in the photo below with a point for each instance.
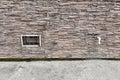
(28, 40)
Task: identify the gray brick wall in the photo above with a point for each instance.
(69, 28)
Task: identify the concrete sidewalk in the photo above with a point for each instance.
(61, 70)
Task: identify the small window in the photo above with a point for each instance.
(31, 40)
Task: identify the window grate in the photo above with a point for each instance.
(31, 40)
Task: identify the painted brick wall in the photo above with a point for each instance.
(69, 28)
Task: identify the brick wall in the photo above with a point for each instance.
(69, 28)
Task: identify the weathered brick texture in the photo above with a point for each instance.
(69, 28)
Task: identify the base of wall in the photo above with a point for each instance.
(53, 59)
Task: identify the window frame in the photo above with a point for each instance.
(31, 45)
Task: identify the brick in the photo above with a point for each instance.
(69, 28)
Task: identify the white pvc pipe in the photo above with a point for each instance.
(99, 39)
